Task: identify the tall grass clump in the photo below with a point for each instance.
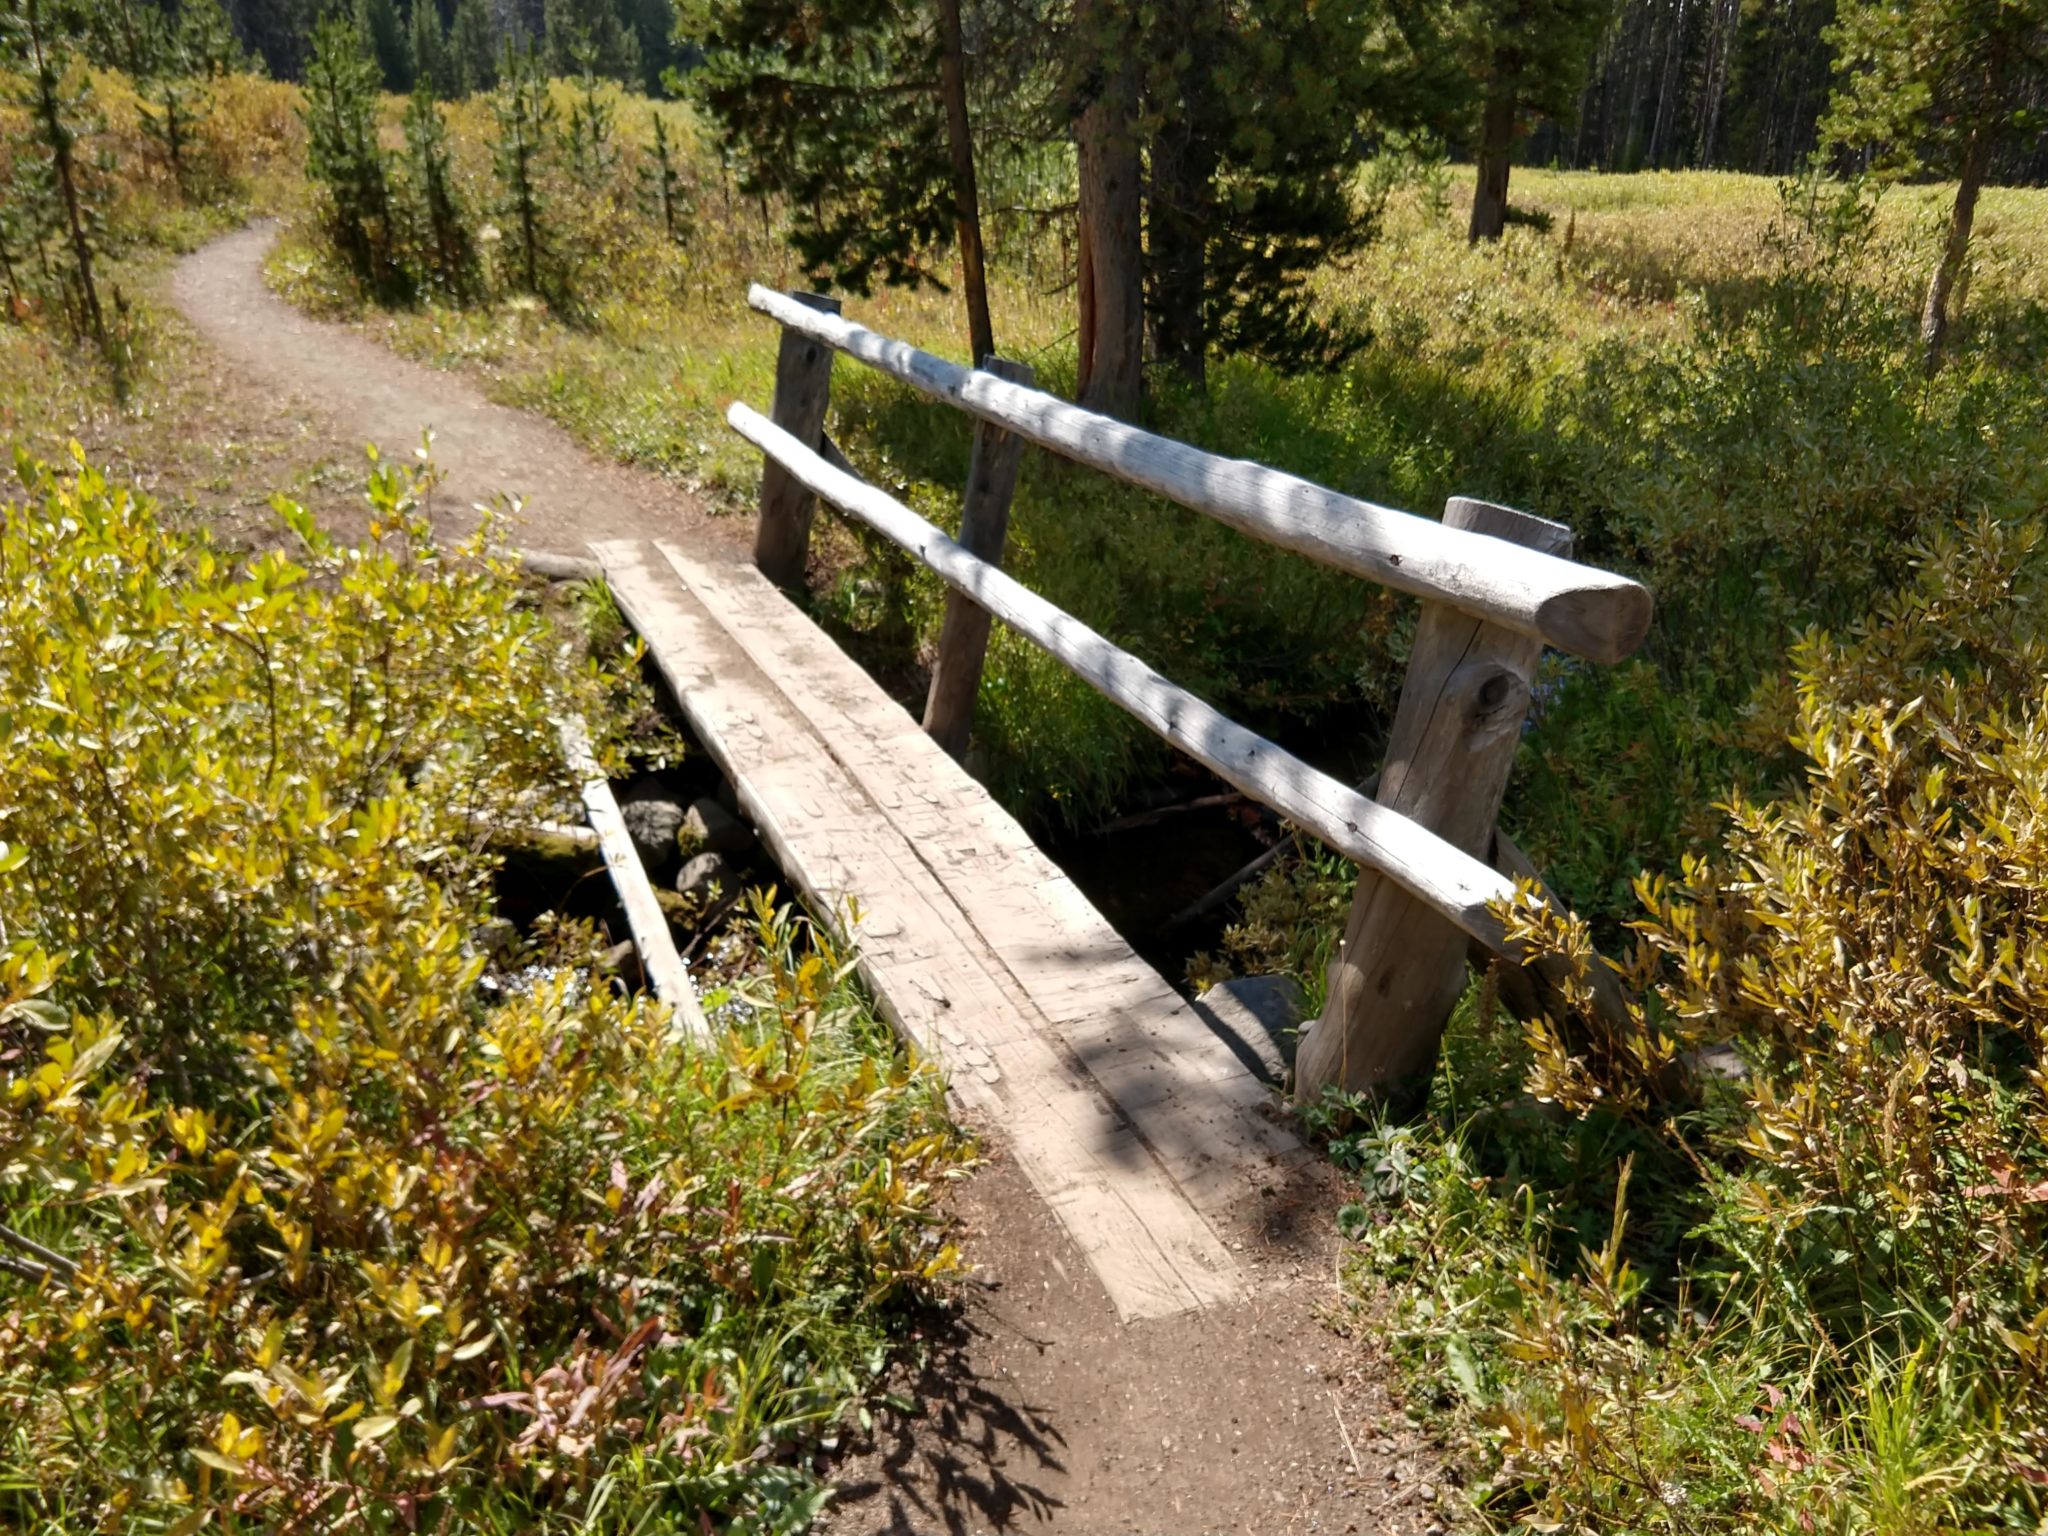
(314, 1215)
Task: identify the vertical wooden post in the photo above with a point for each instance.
(1398, 975)
(803, 388)
(984, 528)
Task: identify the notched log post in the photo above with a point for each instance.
(1402, 966)
(984, 529)
(803, 388)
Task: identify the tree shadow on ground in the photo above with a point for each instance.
(965, 1458)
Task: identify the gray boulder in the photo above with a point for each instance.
(653, 818)
(709, 827)
(701, 873)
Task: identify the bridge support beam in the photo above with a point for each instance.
(1401, 967)
(803, 388)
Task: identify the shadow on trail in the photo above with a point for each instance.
(966, 1458)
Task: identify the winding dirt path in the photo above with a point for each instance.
(1032, 1408)
(360, 392)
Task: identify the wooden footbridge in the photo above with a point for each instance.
(1148, 1131)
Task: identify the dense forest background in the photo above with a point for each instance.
(1726, 84)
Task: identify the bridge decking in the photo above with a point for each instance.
(1146, 1133)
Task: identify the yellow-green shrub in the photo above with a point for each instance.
(309, 1219)
(1820, 1303)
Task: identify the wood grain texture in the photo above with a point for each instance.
(984, 530)
(1441, 875)
(1134, 1123)
(803, 389)
(1400, 968)
(1573, 607)
(659, 959)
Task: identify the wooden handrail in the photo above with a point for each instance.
(1573, 607)
(1445, 878)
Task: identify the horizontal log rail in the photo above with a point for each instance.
(1573, 607)
(1442, 876)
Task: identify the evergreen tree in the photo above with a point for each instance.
(589, 141)
(61, 116)
(589, 37)
(343, 158)
(836, 108)
(449, 255)
(432, 65)
(172, 109)
(471, 49)
(524, 113)
(1938, 86)
(383, 34)
(1250, 168)
(661, 184)
(1523, 59)
(1215, 162)
(206, 39)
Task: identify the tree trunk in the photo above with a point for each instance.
(966, 196)
(1934, 319)
(58, 137)
(1177, 215)
(1490, 194)
(1112, 274)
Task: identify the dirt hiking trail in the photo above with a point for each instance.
(362, 392)
(1030, 1407)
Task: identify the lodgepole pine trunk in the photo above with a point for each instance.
(1111, 277)
(1490, 192)
(1177, 222)
(966, 196)
(1946, 283)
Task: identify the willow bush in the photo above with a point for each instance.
(1768, 1255)
(314, 1216)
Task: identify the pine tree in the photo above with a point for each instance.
(432, 66)
(383, 34)
(172, 109)
(662, 185)
(524, 113)
(589, 37)
(836, 108)
(343, 157)
(1251, 149)
(1521, 59)
(1940, 86)
(449, 254)
(471, 49)
(61, 117)
(206, 39)
(1251, 164)
(589, 141)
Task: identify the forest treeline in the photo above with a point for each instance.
(1656, 84)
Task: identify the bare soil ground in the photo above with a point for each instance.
(1031, 1408)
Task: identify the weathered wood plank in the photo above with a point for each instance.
(1187, 1094)
(1445, 878)
(1573, 607)
(938, 981)
(659, 959)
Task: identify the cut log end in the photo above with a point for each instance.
(1605, 623)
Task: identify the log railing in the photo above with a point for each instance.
(1497, 586)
